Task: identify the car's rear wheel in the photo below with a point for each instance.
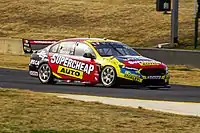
(109, 77)
(45, 74)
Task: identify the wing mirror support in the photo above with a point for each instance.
(89, 55)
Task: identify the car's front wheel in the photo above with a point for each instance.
(45, 74)
(109, 77)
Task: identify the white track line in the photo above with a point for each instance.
(182, 108)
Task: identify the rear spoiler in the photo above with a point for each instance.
(29, 46)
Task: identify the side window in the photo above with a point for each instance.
(82, 48)
(105, 51)
(54, 48)
(66, 48)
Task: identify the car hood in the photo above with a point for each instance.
(140, 62)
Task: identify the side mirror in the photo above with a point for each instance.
(89, 55)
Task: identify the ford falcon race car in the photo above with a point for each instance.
(94, 60)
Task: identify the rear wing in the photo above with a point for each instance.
(29, 46)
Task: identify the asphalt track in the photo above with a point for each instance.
(20, 79)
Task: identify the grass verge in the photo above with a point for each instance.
(14, 61)
(180, 74)
(135, 22)
(184, 75)
(26, 111)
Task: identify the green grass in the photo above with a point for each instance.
(135, 22)
(32, 112)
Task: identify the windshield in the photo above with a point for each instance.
(113, 49)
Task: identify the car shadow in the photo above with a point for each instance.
(135, 87)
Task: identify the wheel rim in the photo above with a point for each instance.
(44, 73)
(108, 76)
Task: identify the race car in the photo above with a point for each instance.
(95, 60)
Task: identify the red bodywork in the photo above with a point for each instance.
(88, 74)
(138, 65)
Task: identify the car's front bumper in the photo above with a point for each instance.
(157, 83)
(146, 77)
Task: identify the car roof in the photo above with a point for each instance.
(87, 39)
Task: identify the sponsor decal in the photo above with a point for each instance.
(144, 63)
(154, 77)
(129, 75)
(149, 63)
(133, 62)
(72, 63)
(130, 68)
(43, 41)
(34, 62)
(132, 71)
(70, 72)
(42, 55)
(137, 58)
(33, 73)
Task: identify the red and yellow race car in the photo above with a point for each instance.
(94, 60)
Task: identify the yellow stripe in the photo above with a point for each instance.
(56, 75)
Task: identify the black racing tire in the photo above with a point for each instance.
(108, 77)
(45, 74)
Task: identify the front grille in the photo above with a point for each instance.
(154, 82)
(153, 72)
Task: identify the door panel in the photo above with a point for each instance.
(73, 67)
